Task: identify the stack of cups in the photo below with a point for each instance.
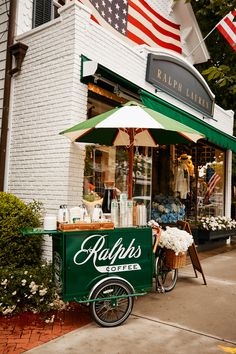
(115, 212)
(129, 213)
(141, 215)
(123, 210)
(50, 222)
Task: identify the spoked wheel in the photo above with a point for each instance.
(111, 312)
(166, 277)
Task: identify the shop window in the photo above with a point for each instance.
(210, 185)
(171, 184)
(187, 182)
(45, 10)
(110, 164)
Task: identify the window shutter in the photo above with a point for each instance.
(42, 12)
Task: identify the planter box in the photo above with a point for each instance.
(209, 235)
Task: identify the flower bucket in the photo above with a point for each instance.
(174, 261)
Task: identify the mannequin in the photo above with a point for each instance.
(183, 171)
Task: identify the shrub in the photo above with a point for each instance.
(28, 289)
(16, 249)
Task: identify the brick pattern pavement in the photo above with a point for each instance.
(26, 331)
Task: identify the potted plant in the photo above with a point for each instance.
(167, 210)
(215, 227)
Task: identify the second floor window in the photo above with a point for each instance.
(45, 10)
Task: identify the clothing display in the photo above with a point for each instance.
(184, 169)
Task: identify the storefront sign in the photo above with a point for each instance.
(93, 249)
(180, 81)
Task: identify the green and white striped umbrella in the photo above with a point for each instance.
(131, 124)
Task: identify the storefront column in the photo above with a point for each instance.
(228, 178)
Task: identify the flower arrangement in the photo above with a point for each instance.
(167, 209)
(173, 238)
(28, 289)
(217, 223)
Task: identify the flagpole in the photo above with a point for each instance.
(201, 41)
(205, 37)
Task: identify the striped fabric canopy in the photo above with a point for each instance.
(147, 127)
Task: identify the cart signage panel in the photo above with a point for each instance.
(91, 255)
(94, 248)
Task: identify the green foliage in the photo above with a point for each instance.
(16, 249)
(220, 70)
(28, 289)
(222, 76)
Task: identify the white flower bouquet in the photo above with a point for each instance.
(217, 223)
(175, 239)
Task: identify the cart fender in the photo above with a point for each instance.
(108, 278)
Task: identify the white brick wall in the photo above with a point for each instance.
(48, 97)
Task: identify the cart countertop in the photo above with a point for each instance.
(40, 231)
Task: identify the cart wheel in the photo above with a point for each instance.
(111, 313)
(166, 277)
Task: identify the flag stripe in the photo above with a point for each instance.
(215, 178)
(227, 28)
(231, 25)
(227, 36)
(212, 183)
(142, 22)
(155, 25)
(138, 26)
(135, 38)
(164, 20)
(94, 19)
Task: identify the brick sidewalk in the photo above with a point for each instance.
(26, 331)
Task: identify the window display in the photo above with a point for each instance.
(173, 182)
(106, 170)
(210, 200)
(188, 182)
(184, 169)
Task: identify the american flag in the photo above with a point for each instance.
(136, 22)
(214, 179)
(227, 27)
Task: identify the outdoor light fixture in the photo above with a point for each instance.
(18, 50)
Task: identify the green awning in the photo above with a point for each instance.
(212, 134)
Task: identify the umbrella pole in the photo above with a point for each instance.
(131, 160)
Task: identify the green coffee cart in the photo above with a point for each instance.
(105, 269)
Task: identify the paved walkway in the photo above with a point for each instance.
(192, 319)
(23, 332)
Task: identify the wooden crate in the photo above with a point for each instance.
(86, 226)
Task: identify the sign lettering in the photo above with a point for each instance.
(181, 81)
(98, 252)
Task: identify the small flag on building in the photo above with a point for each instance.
(227, 27)
(214, 178)
(137, 22)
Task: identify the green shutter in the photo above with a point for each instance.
(42, 12)
(212, 134)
